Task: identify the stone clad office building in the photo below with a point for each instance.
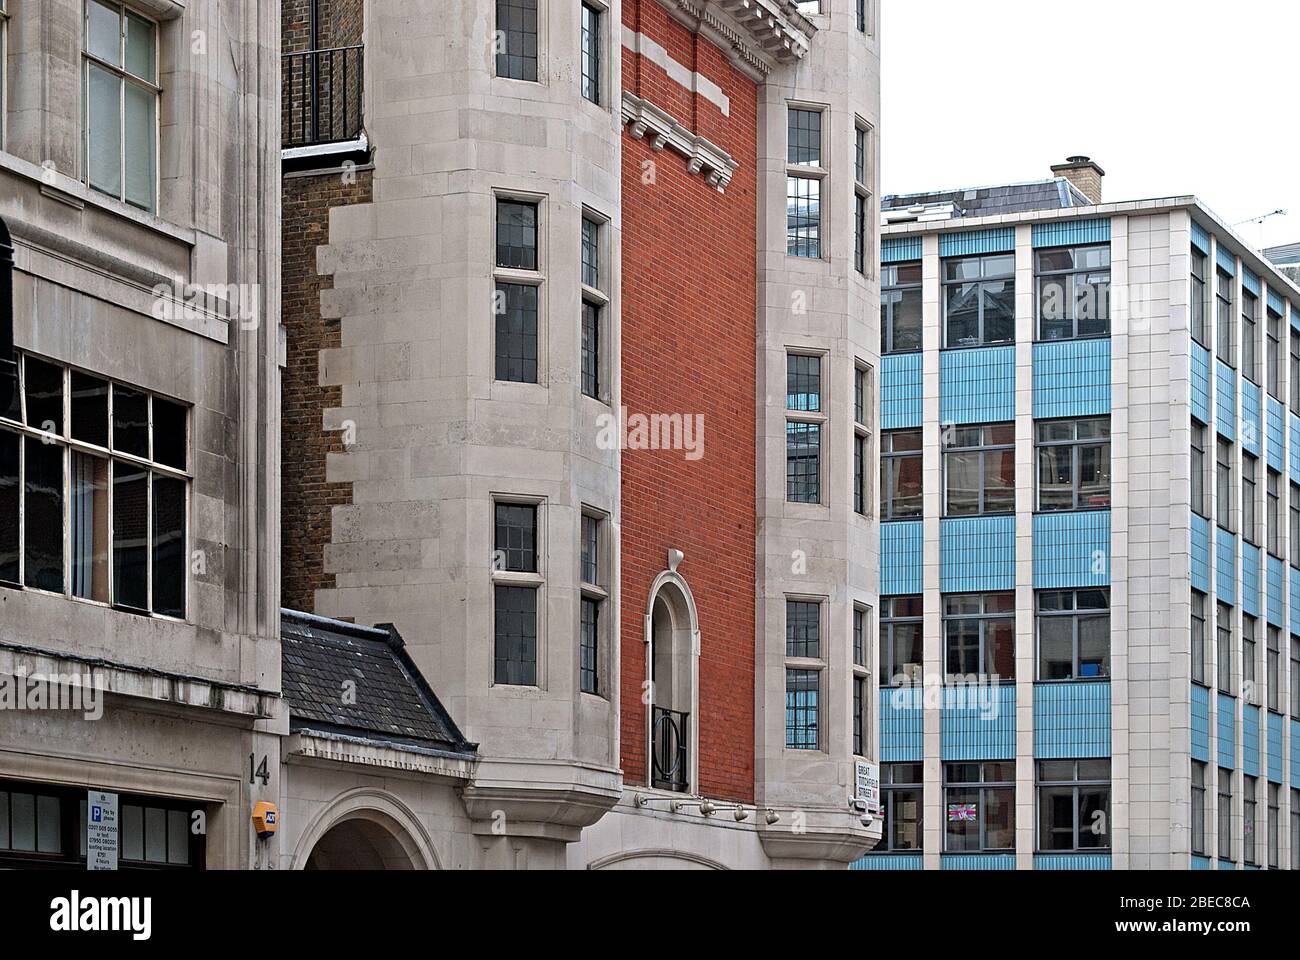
(571, 398)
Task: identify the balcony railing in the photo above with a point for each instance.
(321, 96)
(671, 760)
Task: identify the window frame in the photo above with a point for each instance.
(987, 452)
(1249, 659)
(984, 619)
(1225, 639)
(1273, 353)
(1250, 336)
(1199, 315)
(1197, 469)
(1225, 339)
(1223, 818)
(890, 285)
(863, 394)
(595, 297)
(947, 285)
(1042, 276)
(805, 667)
(812, 425)
(535, 580)
(889, 458)
(502, 35)
(1223, 483)
(124, 78)
(891, 676)
(982, 787)
(591, 60)
(862, 156)
(1076, 615)
(593, 529)
(892, 790)
(1250, 820)
(1199, 809)
(506, 277)
(861, 679)
(1199, 616)
(1076, 446)
(1273, 539)
(805, 235)
(1077, 784)
(1249, 497)
(112, 457)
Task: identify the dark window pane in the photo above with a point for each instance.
(801, 709)
(169, 546)
(1056, 818)
(805, 136)
(88, 531)
(89, 409)
(591, 53)
(43, 384)
(963, 315)
(10, 396)
(169, 434)
(802, 629)
(517, 39)
(1056, 648)
(516, 537)
(591, 550)
(516, 636)
(130, 422)
(591, 350)
(588, 643)
(9, 507)
(590, 253)
(804, 383)
(130, 536)
(803, 462)
(516, 332)
(516, 235)
(803, 217)
(43, 515)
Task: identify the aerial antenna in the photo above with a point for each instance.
(1259, 220)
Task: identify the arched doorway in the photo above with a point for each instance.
(365, 829)
(672, 668)
(358, 844)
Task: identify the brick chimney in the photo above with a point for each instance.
(1084, 174)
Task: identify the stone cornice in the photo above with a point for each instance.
(647, 121)
(755, 33)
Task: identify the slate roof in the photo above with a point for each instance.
(393, 703)
(1054, 194)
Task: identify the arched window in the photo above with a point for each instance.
(672, 657)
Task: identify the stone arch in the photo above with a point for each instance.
(372, 828)
(672, 643)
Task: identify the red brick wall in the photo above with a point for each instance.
(689, 308)
(306, 499)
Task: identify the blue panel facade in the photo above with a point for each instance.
(1273, 582)
(977, 554)
(1072, 720)
(1275, 428)
(1294, 423)
(1225, 400)
(1250, 281)
(900, 391)
(902, 561)
(1276, 302)
(1250, 579)
(1071, 550)
(977, 386)
(1227, 261)
(1295, 598)
(1275, 757)
(979, 723)
(970, 243)
(978, 861)
(1200, 238)
(1200, 723)
(1252, 428)
(1071, 379)
(1225, 566)
(900, 249)
(1200, 553)
(1227, 725)
(890, 861)
(1200, 863)
(1068, 233)
(1200, 383)
(901, 719)
(1072, 861)
(1295, 753)
(1250, 740)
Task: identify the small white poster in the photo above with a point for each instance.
(868, 785)
(101, 831)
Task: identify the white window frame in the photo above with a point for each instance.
(532, 278)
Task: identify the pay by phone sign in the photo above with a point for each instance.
(101, 830)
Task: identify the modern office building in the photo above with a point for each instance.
(139, 470)
(1090, 547)
(580, 301)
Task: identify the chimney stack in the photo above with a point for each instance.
(1084, 174)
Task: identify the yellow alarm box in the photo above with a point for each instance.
(266, 818)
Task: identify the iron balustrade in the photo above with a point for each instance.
(671, 760)
(321, 91)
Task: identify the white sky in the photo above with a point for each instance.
(1170, 97)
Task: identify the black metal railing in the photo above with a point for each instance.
(671, 760)
(321, 96)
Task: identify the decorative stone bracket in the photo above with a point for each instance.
(645, 120)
